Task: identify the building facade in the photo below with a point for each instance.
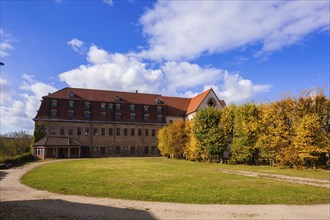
(99, 123)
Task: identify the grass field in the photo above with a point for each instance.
(159, 179)
(307, 173)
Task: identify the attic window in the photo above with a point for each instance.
(211, 103)
(87, 115)
(132, 107)
(159, 109)
(54, 103)
(71, 95)
(117, 107)
(70, 114)
(117, 98)
(110, 106)
(146, 117)
(53, 113)
(132, 117)
(103, 106)
(87, 105)
(71, 104)
(146, 108)
(159, 118)
(158, 101)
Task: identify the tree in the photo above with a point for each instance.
(39, 132)
(244, 148)
(207, 131)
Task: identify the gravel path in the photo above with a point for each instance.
(21, 202)
(292, 179)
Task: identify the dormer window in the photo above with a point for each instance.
(146, 108)
(87, 115)
(71, 104)
(110, 106)
(132, 108)
(53, 113)
(132, 117)
(117, 107)
(159, 109)
(103, 106)
(117, 98)
(159, 118)
(87, 105)
(54, 103)
(158, 101)
(71, 95)
(70, 114)
(146, 117)
(211, 102)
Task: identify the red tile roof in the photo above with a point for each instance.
(57, 141)
(174, 106)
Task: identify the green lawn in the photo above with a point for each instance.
(159, 179)
(307, 173)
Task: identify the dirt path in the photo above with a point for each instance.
(292, 179)
(21, 202)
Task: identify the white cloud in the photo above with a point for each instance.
(126, 73)
(5, 44)
(178, 30)
(19, 108)
(108, 2)
(77, 45)
(113, 72)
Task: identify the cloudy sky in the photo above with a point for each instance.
(245, 50)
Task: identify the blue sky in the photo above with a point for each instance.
(246, 51)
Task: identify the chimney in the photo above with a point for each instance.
(136, 91)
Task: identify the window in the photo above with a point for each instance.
(71, 95)
(110, 106)
(153, 150)
(117, 98)
(70, 114)
(125, 131)
(78, 130)
(132, 132)
(146, 132)
(87, 131)
(53, 113)
(117, 107)
(132, 150)
(53, 130)
(153, 132)
(158, 101)
(139, 132)
(61, 131)
(118, 150)
(103, 106)
(146, 108)
(110, 132)
(39, 151)
(146, 150)
(102, 131)
(87, 105)
(132, 117)
(54, 103)
(87, 115)
(211, 102)
(71, 104)
(132, 108)
(118, 131)
(159, 118)
(159, 109)
(146, 117)
(118, 116)
(70, 131)
(103, 115)
(95, 131)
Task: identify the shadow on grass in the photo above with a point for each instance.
(59, 209)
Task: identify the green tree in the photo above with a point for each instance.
(207, 131)
(244, 148)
